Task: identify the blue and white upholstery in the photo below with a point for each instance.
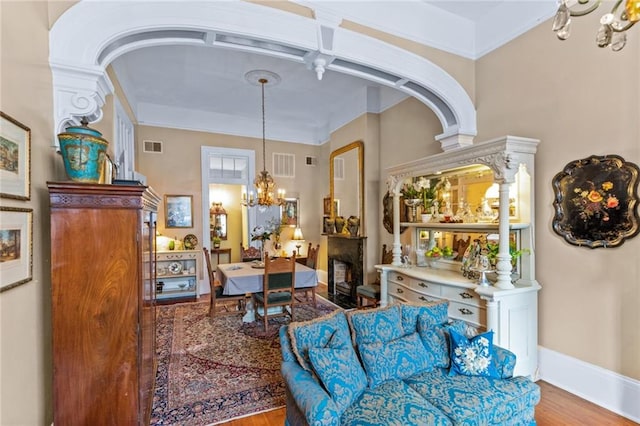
(400, 365)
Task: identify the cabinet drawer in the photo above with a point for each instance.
(399, 278)
(471, 314)
(408, 294)
(464, 295)
(426, 287)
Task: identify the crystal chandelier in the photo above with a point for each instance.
(266, 192)
(613, 25)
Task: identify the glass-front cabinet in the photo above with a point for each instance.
(463, 227)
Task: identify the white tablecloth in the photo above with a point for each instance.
(241, 278)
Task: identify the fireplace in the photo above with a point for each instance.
(345, 265)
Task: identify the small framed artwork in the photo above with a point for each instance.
(178, 211)
(15, 159)
(596, 201)
(289, 212)
(327, 207)
(16, 238)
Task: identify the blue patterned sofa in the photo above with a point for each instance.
(400, 365)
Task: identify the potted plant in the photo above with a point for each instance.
(492, 253)
(216, 242)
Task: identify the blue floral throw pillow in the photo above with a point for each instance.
(397, 359)
(472, 357)
(340, 373)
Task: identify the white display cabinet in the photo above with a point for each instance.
(177, 275)
(508, 304)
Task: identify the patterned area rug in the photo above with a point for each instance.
(210, 371)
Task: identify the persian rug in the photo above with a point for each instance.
(211, 371)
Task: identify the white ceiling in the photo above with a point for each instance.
(203, 88)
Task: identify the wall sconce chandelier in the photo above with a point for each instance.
(266, 192)
(613, 25)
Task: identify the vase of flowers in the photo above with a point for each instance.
(261, 234)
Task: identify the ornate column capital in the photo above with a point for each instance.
(78, 92)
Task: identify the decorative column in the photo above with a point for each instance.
(393, 182)
(384, 275)
(503, 265)
(493, 318)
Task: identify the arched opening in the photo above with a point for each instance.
(81, 83)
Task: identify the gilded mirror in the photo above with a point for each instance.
(346, 182)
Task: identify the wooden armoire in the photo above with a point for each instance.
(103, 302)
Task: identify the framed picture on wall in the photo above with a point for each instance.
(178, 211)
(326, 202)
(289, 212)
(15, 159)
(16, 238)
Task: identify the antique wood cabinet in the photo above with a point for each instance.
(509, 305)
(103, 302)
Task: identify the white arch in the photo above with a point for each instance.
(91, 34)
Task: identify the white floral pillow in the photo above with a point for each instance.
(472, 357)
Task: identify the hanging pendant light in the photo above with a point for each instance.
(613, 25)
(266, 192)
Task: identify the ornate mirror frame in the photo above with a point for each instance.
(359, 146)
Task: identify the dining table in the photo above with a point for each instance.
(247, 277)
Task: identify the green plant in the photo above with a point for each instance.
(493, 248)
(216, 241)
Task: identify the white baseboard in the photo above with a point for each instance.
(605, 388)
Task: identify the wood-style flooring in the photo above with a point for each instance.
(557, 408)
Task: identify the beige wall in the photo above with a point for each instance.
(25, 329)
(580, 101)
(177, 171)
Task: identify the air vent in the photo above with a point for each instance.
(311, 161)
(152, 146)
(284, 165)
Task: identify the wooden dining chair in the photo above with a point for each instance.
(278, 285)
(371, 292)
(312, 262)
(219, 300)
(249, 254)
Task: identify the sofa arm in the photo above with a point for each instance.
(312, 400)
(285, 344)
(505, 361)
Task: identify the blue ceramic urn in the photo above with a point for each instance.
(84, 152)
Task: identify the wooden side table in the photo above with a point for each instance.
(218, 252)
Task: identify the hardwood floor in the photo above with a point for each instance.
(556, 408)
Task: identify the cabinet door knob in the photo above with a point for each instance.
(466, 295)
(465, 311)
(426, 299)
(399, 278)
(421, 284)
(399, 290)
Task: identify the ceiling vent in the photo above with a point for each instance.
(311, 161)
(152, 146)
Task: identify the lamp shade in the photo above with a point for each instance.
(297, 235)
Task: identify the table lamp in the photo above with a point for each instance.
(298, 238)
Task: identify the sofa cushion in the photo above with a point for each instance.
(392, 403)
(376, 325)
(317, 333)
(433, 313)
(477, 400)
(472, 357)
(435, 338)
(340, 373)
(397, 359)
